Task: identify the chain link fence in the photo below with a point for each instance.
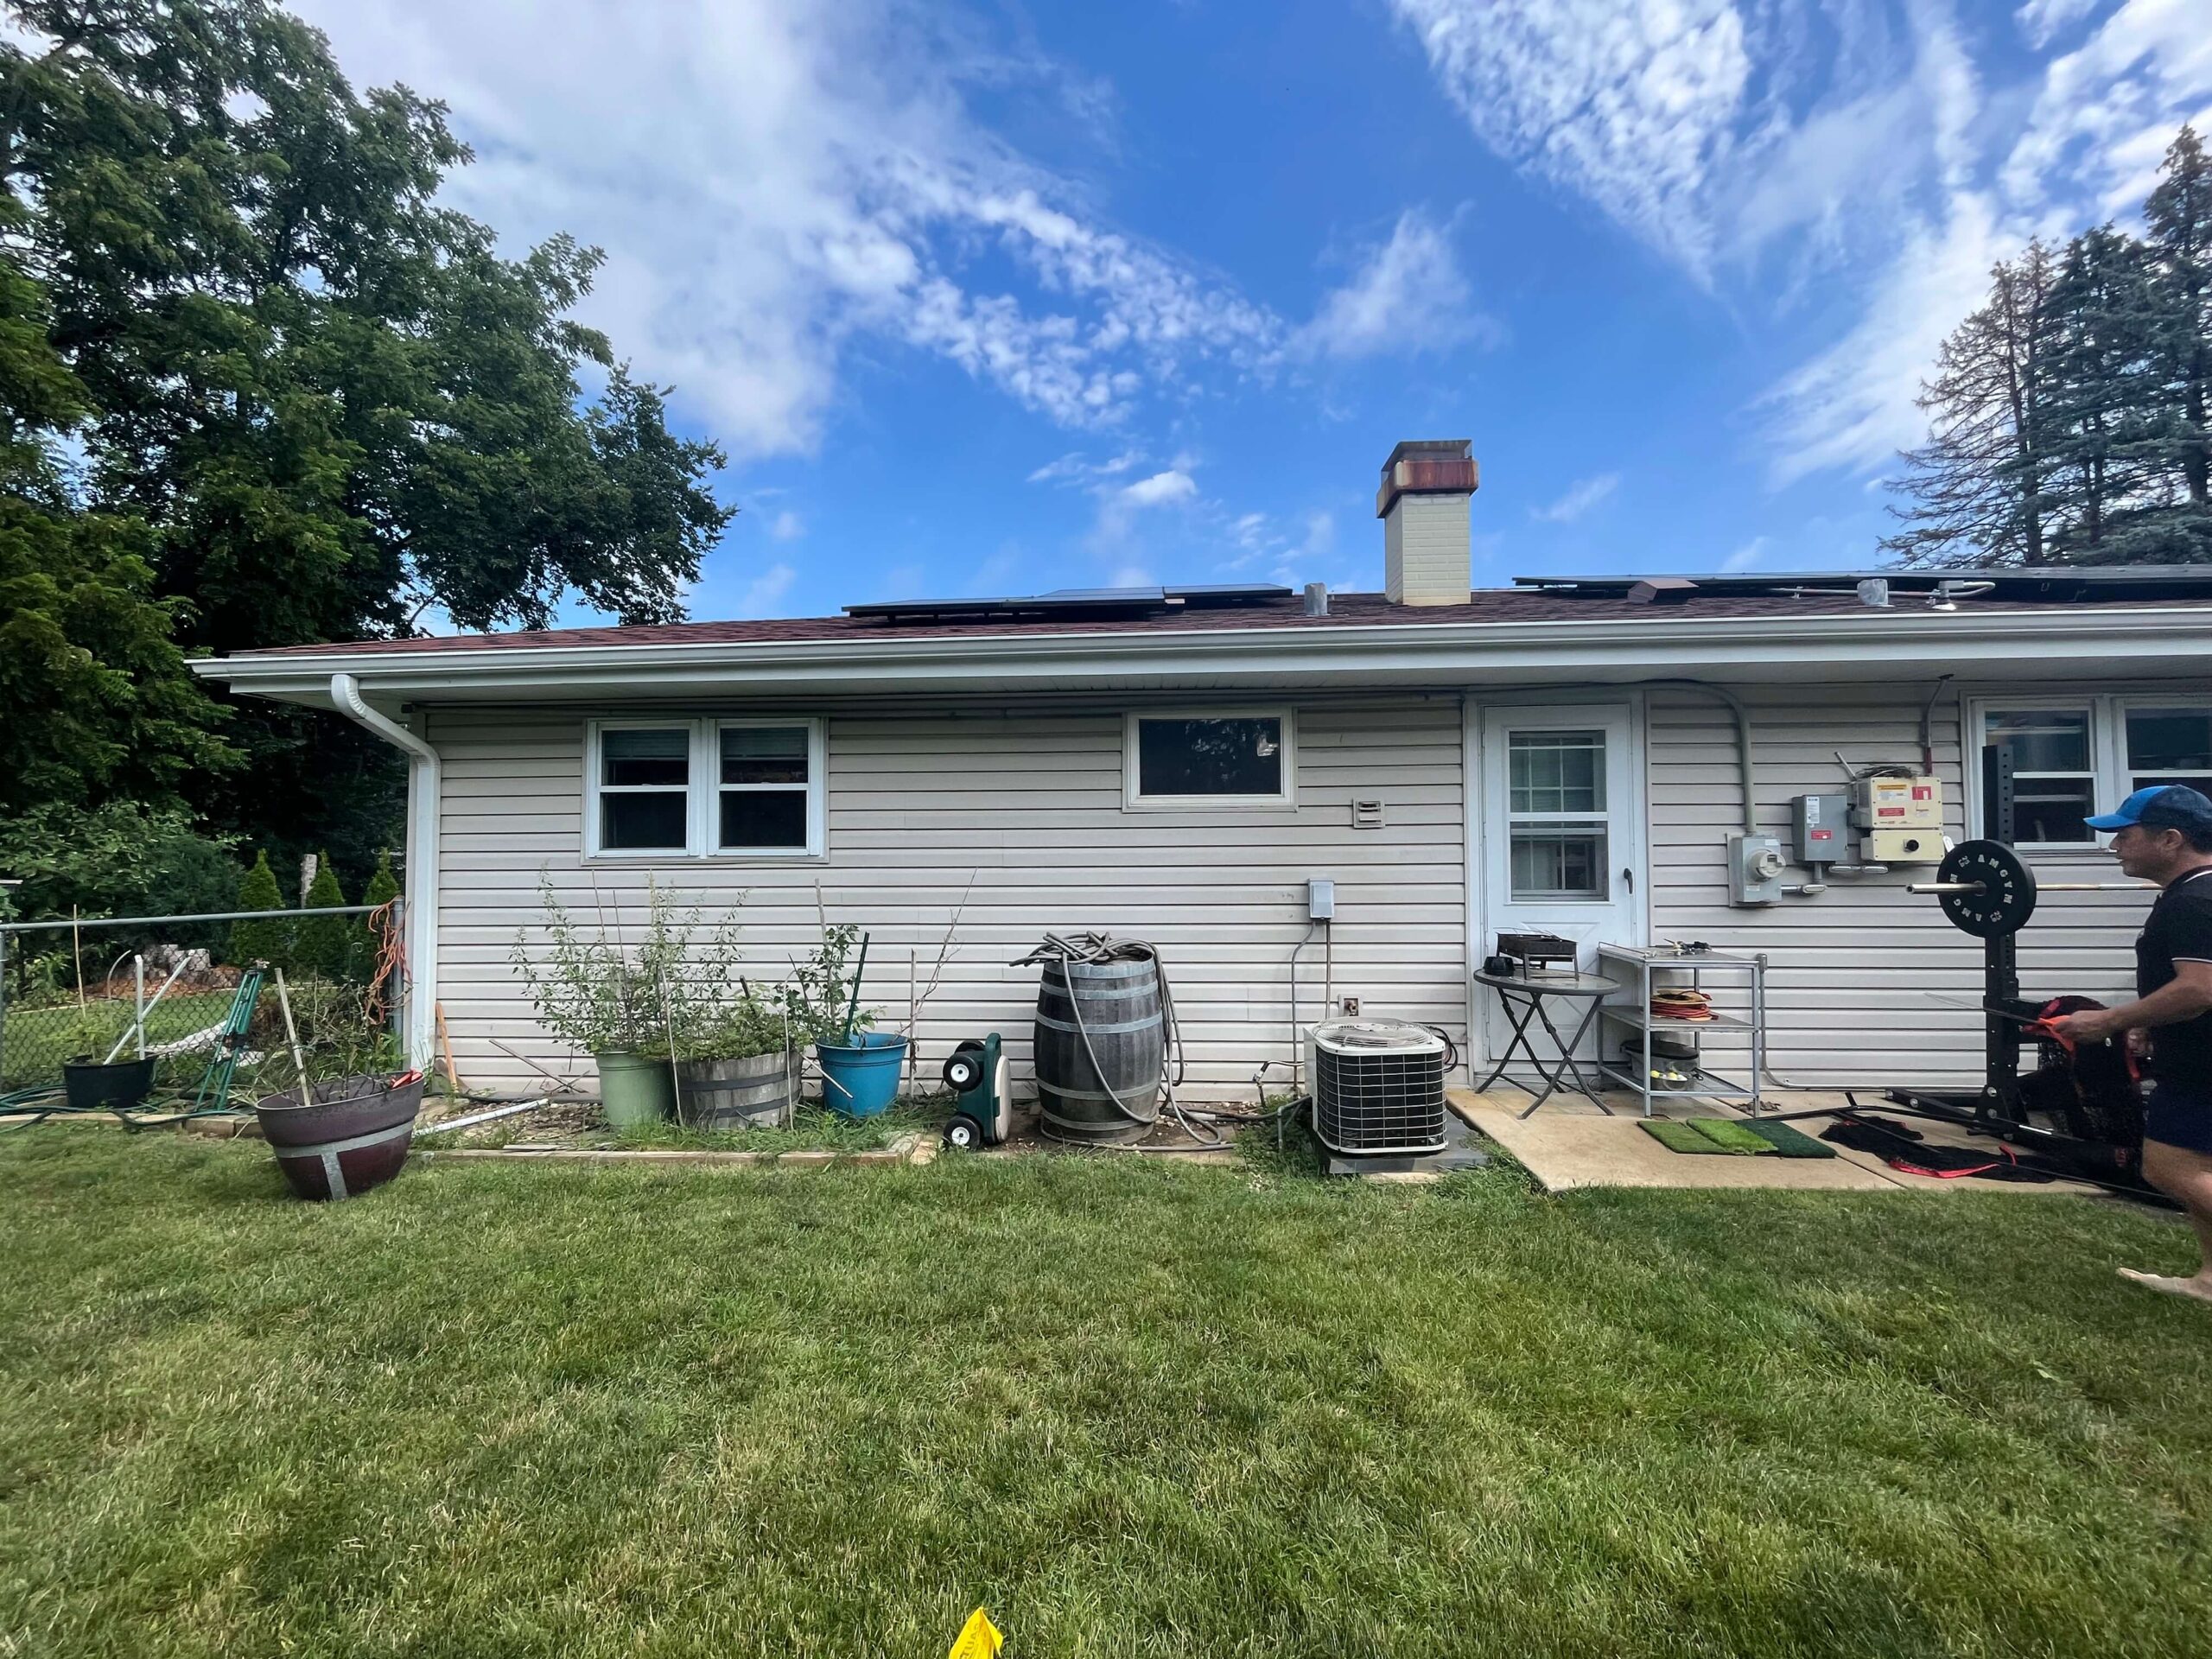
(164, 987)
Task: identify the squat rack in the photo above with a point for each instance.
(1987, 890)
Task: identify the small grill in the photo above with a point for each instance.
(1378, 1086)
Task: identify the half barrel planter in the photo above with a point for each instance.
(350, 1134)
(753, 1093)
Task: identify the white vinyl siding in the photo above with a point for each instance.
(1022, 818)
(1866, 983)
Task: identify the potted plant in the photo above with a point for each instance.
(737, 1065)
(346, 1117)
(614, 1003)
(92, 1079)
(860, 1066)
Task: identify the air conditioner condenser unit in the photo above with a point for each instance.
(1378, 1086)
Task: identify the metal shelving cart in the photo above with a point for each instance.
(1643, 970)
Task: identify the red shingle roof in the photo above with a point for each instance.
(1345, 610)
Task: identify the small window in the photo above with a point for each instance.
(2169, 746)
(1556, 828)
(765, 779)
(2054, 774)
(705, 788)
(644, 789)
(1234, 759)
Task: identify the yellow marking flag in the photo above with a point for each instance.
(979, 1638)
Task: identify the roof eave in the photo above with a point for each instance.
(1469, 652)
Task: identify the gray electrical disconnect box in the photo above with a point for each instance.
(1320, 899)
(1755, 867)
(1822, 827)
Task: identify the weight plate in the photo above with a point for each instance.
(2007, 898)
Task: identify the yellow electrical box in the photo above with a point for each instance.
(1901, 804)
(1905, 846)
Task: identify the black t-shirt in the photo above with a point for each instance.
(2179, 930)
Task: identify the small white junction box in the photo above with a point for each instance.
(1320, 899)
(1900, 804)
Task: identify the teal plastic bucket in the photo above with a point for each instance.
(861, 1078)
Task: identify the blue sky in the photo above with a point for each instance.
(998, 298)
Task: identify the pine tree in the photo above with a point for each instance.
(1978, 485)
(326, 943)
(2108, 411)
(269, 941)
(2178, 218)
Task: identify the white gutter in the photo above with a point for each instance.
(1437, 652)
(421, 936)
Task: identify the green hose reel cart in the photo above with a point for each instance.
(975, 1072)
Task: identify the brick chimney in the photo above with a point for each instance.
(1427, 483)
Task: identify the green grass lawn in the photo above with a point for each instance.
(1134, 1408)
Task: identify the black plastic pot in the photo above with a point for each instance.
(350, 1134)
(92, 1086)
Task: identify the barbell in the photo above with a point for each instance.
(1987, 890)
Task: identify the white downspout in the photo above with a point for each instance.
(422, 855)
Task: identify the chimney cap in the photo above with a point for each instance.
(1430, 449)
(1428, 467)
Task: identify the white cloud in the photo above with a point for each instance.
(1076, 467)
(787, 526)
(1581, 495)
(1744, 557)
(1161, 489)
(1854, 140)
(1407, 295)
(2042, 20)
(764, 595)
(1633, 105)
(774, 182)
(1851, 406)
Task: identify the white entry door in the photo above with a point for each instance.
(1562, 832)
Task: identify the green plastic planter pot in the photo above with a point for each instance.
(635, 1088)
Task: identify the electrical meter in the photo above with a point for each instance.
(1900, 804)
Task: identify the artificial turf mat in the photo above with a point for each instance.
(1788, 1139)
(1681, 1135)
(1732, 1136)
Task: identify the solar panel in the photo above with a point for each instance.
(1075, 600)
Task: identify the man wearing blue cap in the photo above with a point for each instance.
(2164, 834)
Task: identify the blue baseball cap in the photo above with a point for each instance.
(2162, 806)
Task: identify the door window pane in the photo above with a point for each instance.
(764, 755)
(1201, 758)
(1559, 861)
(652, 758)
(764, 818)
(2054, 787)
(650, 820)
(1556, 771)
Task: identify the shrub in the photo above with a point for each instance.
(269, 941)
(324, 945)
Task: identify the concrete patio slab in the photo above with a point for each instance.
(1572, 1145)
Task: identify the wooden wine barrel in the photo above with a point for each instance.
(1120, 1014)
(350, 1134)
